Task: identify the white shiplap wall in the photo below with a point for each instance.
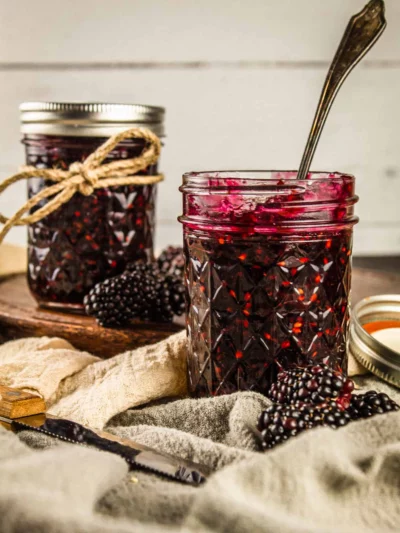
(240, 81)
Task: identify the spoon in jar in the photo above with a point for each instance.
(362, 32)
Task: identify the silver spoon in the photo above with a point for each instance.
(362, 32)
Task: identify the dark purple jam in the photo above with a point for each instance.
(268, 280)
(90, 238)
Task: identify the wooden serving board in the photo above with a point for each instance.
(20, 317)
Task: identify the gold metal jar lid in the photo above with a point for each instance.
(88, 119)
(378, 358)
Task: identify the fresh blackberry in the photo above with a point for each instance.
(280, 422)
(171, 261)
(170, 299)
(371, 403)
(141, 292)
(312, 385)
(115, 301)
(169, 296)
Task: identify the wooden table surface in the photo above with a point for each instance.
(390, 264)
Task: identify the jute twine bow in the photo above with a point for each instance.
(84, 177)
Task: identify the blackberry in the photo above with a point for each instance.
(371, 403)
(169, 296)
(171, 261)
(312, 385)
(170, 299)
(279, 422)
(141, 292)
(116, 301)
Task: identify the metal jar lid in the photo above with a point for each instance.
(88, 119)
(372, 354)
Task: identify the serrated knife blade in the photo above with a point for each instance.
(136, 455)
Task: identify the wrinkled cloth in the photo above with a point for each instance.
(90, 390)
(324, 480)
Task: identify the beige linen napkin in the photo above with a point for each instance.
(90, 390)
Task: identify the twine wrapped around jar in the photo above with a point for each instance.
(84, 177)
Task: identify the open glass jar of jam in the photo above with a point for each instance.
(268, 271)
(89, 238)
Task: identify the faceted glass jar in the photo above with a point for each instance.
(90, 238)
(268, 275)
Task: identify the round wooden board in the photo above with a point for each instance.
(20, 317)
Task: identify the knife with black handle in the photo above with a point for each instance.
(21, 410)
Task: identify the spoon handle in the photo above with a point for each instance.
(362, 31)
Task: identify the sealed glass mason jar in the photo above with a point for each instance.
(268, 272)
(89, 238)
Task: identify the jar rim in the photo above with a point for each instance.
(265, 175)
(268, 200)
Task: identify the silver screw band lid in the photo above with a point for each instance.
(88, 119)
(372, 354)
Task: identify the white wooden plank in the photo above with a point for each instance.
(168, 232)
(182, 30)
(377, 240)
(240, 119)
